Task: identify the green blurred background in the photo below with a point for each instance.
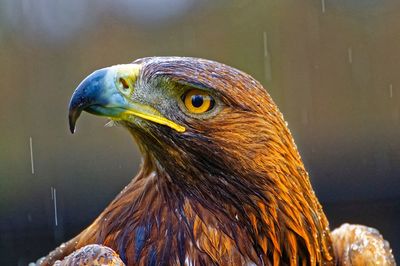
(332, 67)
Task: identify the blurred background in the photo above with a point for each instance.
(332, 66)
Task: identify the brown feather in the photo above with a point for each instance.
(231, 190)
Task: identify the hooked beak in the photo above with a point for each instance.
(103, 94)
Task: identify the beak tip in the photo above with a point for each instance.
(72, 129)
(73, 116)
(86, 94)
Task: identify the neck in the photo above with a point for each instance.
(161, 221)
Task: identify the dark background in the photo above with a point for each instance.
(331, 66)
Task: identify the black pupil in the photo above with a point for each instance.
(197, 100)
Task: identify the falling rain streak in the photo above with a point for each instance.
(31, 148)
(267, 59)
(350, 54)
(54, 198)
(323, 6)
(265, 37)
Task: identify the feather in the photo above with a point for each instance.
(230, 189)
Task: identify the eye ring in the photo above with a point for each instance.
(198, 101)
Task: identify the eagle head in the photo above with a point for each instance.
(213, 135)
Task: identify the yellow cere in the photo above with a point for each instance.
(197, 101)
(130, 71)
(125, 76)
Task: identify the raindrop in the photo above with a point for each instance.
(265, 38)
(323, 6)
(350, 54)
(267, 59)
(391, 90)
(31, 149)
(54, 198)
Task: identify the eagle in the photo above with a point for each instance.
(221, 180)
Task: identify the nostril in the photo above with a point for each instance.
(124, 83)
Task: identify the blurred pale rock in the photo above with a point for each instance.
(358, 245)
(96, 255)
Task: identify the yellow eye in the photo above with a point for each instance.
(198, 101)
